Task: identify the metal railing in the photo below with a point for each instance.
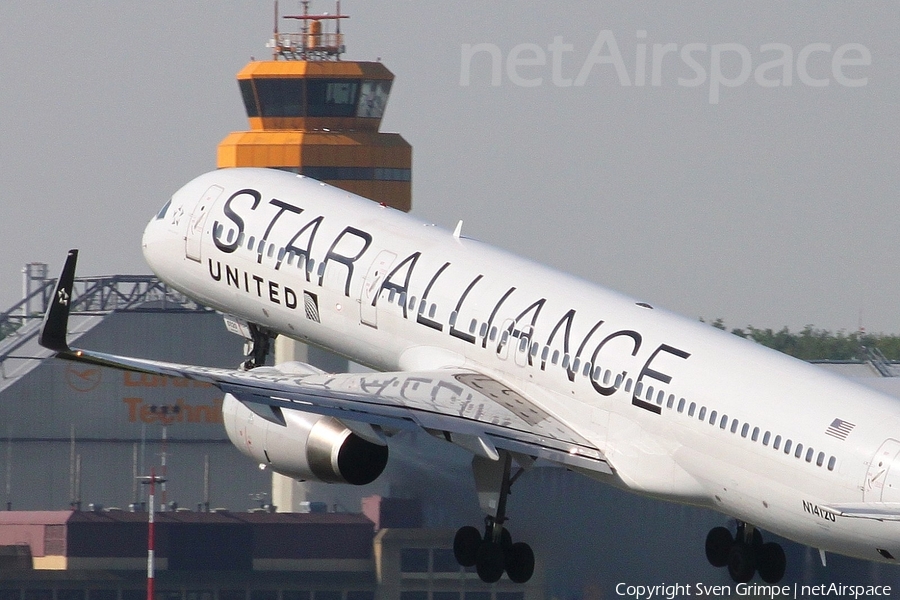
(100, 295)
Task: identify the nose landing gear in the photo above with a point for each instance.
(494, 552)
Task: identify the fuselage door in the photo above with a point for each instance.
(368, 296)
(194, 236)
(883, 476)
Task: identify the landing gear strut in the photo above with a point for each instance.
(260, 343)
(745, 554)
(494, 552)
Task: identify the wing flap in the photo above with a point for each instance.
(878, 511)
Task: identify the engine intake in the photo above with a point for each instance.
(302, 445)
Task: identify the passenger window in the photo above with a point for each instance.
(250, 243)
(702, 414)
(744, 430)
(432, 311)
(230, 237)
(523, 344)
(271, 251)
(321, 269)
(606, 377)
(691, 409)
(280, 254)
(291, 255)
(240, 240)
(261, 247)
(392, 294)
(576, 364)
(619, 378)
(494, 334)
(734, 426)
(310, 266)
(724, 422)
(787, 446)
(412, 303)
(681, 405)
(422, 304)
(473, 325)
(820, 459)
(660, 396)
(504, 337)
(587, 369)
(482, 331)
(809, 454)
(755, 435)
(799, 451)
(766, 438)
(545, 354)
(401, 301)
(638, 388)
(831, 463)
(565, 361)
(555, 358)
(649, 392)
(777, 443)
(712, 417)
(453, 316)
(627, 385)
(535, 348)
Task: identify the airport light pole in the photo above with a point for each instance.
(152, 480)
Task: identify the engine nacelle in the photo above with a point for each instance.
(302, 445)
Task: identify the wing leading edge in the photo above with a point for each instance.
(470, 409)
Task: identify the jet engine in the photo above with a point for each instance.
(302, 445)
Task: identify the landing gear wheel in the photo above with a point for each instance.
(519, 562)
(771, 562)
(718, 546)
(741, 562)
(260, 343)
(490, 562)
(465, 545)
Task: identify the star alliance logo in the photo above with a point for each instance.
(62, 297)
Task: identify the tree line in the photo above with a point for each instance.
(821, 344)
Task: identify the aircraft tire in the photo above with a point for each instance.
(490, 562)
(771, 562)
(741, 562)
(465, 545)
(519, 562)
(718, 546)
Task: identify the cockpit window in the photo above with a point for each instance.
(162, 212)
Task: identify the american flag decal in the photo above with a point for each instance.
(839, 429)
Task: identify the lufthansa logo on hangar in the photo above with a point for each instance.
(83, 378)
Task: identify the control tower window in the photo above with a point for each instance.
(373, 98)
(280, 97)
(249, 97)
(332, 98)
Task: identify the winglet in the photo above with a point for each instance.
(56, 319)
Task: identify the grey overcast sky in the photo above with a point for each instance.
(776, 205)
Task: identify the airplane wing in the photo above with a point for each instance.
(877, 511)
(463, 406)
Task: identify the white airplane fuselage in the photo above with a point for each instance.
(681, 411)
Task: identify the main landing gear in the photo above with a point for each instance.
(494, 552)
(745, 554)
(260, 343)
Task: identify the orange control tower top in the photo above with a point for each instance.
(312, 113)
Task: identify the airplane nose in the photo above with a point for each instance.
(156, 238)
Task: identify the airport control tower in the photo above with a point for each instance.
(312, 113)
